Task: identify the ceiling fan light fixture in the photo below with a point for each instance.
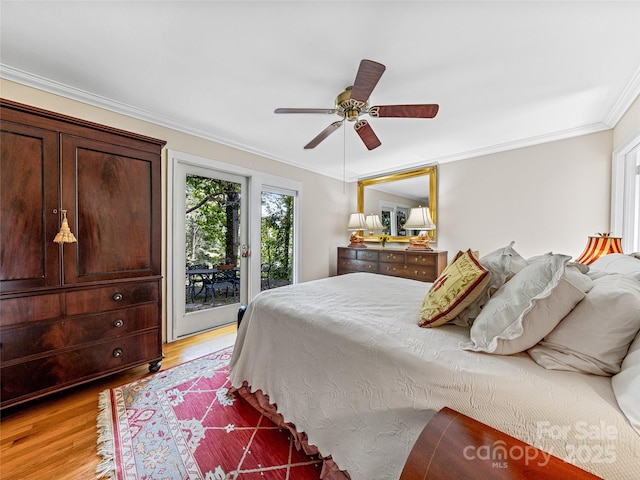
(344, 97)
(348, 107)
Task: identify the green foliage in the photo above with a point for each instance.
(212, 209)
(277, 234)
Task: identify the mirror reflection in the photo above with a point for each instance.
(391, 197)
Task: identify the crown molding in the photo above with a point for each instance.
(523, 142)
(41, 83)
(627, 97)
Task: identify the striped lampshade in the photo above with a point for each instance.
(599, 246)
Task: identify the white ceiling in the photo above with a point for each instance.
(505, 74)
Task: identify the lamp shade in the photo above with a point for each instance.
(373, 222)
(598, 246)
(419, 219)
(357, 221)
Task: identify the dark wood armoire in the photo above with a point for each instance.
(73, 312)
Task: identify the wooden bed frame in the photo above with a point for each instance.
(453, 445)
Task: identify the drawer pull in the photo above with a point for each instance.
(117, 297)
(118, 323)
(117, 353)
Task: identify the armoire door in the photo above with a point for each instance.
(29, 216)
(112, 198)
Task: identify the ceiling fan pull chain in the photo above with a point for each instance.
(344, 159)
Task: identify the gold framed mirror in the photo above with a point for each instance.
(392, 195)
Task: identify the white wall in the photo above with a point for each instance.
(547, 197)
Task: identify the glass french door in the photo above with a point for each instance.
(209, 234)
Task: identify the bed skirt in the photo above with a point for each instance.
(260, 402)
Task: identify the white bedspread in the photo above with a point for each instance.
(344, 360)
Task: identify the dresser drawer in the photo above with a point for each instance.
(390, 256)
(39, 338)
(112, 297)
(415, 272)
(14, 311)
(367, 255)
(346, 252)
(347, 265)
(393, 269)
(424, 259)
(76, 366)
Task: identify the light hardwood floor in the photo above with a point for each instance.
(55, 437)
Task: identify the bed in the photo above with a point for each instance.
(343, 363)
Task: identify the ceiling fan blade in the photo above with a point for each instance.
(323, 134)
(304, 110)
(366, 133)
(366, 79)
(407, 111)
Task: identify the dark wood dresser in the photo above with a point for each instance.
(73, 312)
(424, 266)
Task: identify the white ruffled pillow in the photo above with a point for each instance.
(595, 336)
(502, 264)
(528, 306)
(626, 385)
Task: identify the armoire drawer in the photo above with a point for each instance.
(111, 297)
(39, 338)
(72, 367)
(14, 311)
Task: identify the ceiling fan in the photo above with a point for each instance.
(354, 101)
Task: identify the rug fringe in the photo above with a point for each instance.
(105, 446)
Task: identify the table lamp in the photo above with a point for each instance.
(357, 222)
(419, 219)
(373, 223)
(597, 246)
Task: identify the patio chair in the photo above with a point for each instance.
(199, 283)
(226, 277)
(265, 275)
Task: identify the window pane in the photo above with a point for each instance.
(212, 218)
(276, 240)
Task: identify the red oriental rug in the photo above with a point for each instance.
(182, 423)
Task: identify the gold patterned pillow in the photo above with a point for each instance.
(458, 285)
